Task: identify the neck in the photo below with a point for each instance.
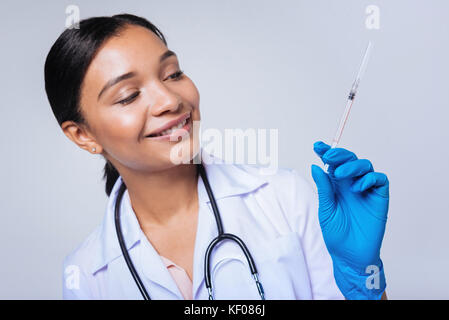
(159, 197)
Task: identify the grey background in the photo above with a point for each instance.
(257, 64)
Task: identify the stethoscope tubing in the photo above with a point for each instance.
(221, 236)
(121, 241)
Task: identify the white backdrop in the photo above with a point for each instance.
(257, 64)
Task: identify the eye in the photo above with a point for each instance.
(177, 75)
(129, 99)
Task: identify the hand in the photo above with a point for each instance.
(353, 206)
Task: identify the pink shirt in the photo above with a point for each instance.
(181, 278)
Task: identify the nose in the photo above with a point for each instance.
(164, 100)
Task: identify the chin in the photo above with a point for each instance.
(183, 152)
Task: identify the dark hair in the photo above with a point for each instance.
(67, 63)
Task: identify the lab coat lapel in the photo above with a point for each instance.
(146, 260)
(226, 180)
(206, 231)
(154, 269)
(149, 261)
(109, 248)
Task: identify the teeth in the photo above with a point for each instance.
(169, 131)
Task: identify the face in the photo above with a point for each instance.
(132, 93)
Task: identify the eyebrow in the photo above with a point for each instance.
(131, 74)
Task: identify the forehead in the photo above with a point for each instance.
(131, 42)
(135, 47)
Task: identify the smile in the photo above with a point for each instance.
(177, 129)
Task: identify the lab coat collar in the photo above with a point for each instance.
(109, 248)
(226, 180)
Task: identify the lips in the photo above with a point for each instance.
(170, 126)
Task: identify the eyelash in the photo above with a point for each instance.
(176, 76)
(129, 99)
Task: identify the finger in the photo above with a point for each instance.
(337, 156)
(376, 180)
(325, 189)
(353, 169)
(320, 148)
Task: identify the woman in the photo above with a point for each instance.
(116, 90)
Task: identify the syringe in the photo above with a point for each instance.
(351, 97)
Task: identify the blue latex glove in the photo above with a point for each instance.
(353, 206)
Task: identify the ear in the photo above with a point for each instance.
(81, 136)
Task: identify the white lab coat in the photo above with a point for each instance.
(275, 215)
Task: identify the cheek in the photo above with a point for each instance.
(122, 126)
(191, 94)
(120, 135)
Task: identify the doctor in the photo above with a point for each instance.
(116, 90)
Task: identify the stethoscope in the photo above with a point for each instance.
(221, 236)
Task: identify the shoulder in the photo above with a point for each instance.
(287, 189)
(283, 188)
(77, 267)
(298, 199)
(286, 183)
(80, 259)
(284, 180)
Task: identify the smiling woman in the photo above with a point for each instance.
(105, 90)
(118, 91)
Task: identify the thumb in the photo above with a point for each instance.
(325, 188)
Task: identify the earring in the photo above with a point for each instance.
(93, 149)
